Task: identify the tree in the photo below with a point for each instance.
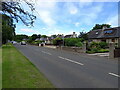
(34, 36)
(58, 41)
(44, 36)
(98, 26)
(83, 35)
(20, 37)
(8, 29)
(39, 36)
(14, 10)
(53, 36)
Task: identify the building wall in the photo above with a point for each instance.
(96, 40)
(115, 40)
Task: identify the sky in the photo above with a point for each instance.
(68, 17)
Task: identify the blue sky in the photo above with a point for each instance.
(67, 17)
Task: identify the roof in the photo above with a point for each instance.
(106, 33)
(68, 36)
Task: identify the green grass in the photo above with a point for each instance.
(19, 72)
(0, 68)
(98, 51)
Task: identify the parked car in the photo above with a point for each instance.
(13, 42)
(23, 43)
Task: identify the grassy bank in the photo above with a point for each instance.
(19, 72)
(0, 67)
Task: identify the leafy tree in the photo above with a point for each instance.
(44, 36)
(14, 10)
(83, 35)
(34, 36)
(54, 36)
(98, 26)
(39, 36)
(30, 40)
(8, 29)
(20, 37)
(57, 41)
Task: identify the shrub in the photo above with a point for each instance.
(103, 45)
(57, 41)
(103, 50)
(94, 45)
(79, 44)
(73, 41)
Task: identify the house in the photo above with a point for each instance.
(48, 40)
(71, 35)
(43, 39)
(107, 35)
(60, 36)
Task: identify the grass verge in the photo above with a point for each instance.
(0, 68)
(19, 72)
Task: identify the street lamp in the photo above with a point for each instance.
(63, 39)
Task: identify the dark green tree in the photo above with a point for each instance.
(83, 35)
(20, 37)
(8, 29)
(44, 36)
(98, 26)
(15, 10)
(39, 36)
(34, 36)
(54, 36)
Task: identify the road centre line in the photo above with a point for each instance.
(70, 60)
(46, 52)
(113, 74)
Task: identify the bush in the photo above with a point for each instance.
(90, 52)
(57, 41)
(103, 50)
(79, 44)
(73, 41)
(97, 51)
(94, 45)
(103, 45)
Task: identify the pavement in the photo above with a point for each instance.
(73, 70)
(100, 54)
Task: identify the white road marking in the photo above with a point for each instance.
(114, 74)
(70, 60)
(46, 52)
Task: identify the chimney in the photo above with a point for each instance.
(73, 33)
(104, 27)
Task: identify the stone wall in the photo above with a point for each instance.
(74, 49)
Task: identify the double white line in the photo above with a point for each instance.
(70, 60)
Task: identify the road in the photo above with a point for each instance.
(72, 70)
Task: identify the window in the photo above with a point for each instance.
(113, 40)
(96, 33)
(108, 32)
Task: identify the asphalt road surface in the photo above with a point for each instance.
(72, 70)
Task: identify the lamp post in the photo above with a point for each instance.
(63, 39)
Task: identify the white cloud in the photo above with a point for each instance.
(113, 20)
(27, 30)
(77, 24)
(91, 14)
(71, 8)
(45, 11)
